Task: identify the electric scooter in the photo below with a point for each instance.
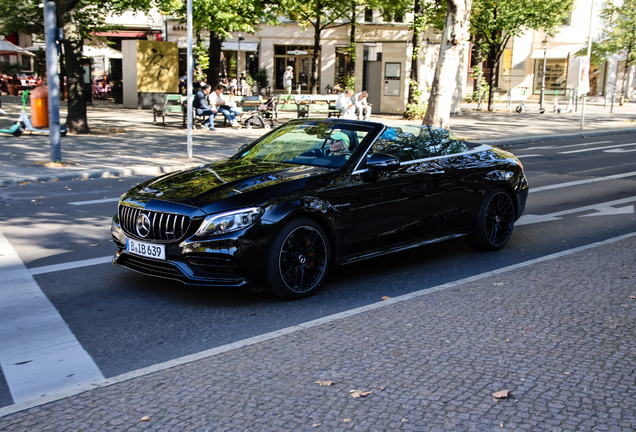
(24, 118)
(16, 130)
(522, 105)
(556, 102)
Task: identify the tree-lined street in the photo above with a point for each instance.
(582, 192)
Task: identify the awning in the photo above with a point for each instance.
(7, 47)
(91, 51)
(550, 54)
(128, 34)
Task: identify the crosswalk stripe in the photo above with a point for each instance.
(39, 354)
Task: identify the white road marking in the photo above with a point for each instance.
(11, 409)
(550, 147)
(39, 354)
(603, 209)
(580, 182)
(619, 150)
(596, 148)
(70, 265)
(99, 201)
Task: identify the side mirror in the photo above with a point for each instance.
(241, 148)
(382, 162)
(379, 162)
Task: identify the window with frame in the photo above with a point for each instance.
(556, 75)
(409, 143)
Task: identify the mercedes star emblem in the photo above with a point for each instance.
(143, 225)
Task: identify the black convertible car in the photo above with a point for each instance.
(313, 193)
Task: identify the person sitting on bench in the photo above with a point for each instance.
(202, 108)
(223, 106)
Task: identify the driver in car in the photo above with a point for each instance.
(338, 144)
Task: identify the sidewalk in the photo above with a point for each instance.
(556, 333)
(125, 142)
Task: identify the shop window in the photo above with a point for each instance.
(343, 65)
(556, 77)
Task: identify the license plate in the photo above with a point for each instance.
(146, 249)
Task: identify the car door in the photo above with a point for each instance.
(402, 206)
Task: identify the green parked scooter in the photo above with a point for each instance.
(16, 130)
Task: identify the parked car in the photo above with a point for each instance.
(314, 193)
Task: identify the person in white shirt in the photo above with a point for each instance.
(345, 105)
(363, 108)
(288, 78)
(223, 106)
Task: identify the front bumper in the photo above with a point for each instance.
(235, 260)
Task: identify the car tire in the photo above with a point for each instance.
(495, 221)
(298, 260)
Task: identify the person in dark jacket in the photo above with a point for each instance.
(201, 106)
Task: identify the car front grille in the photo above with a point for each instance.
(164, 227)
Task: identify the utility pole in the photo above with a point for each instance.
(53, 79)
(589, 55)
(189, 77)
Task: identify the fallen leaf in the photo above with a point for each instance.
(145, 418)
(385, 298)
(500, 424)
(318, 423)
(359, 393)
(507, 340)
(567, 373)
(95, 244)
(346, 420)
(324, 383)
(501, 394)
(404, 420)
(499, 284)
(632, 297)
(382, 388)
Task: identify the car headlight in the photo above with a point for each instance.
(230, 221)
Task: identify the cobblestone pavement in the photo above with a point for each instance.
(557, 334)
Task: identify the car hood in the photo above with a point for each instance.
(229, 179)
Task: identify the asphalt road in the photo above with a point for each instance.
(582, 190)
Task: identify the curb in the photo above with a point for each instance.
(123, 172)
(155, 171)
(537, 138)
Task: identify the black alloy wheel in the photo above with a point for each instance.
(495, 222)
(298, 260)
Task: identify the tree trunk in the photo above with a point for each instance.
(214, 53)
(494, 64)
(76, 120)
(445, 81)
(314, 59)
(352, 43)
(416, 41)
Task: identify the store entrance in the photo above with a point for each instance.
(298, 57)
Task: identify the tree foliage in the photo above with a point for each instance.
(219, 19)
(494, 22)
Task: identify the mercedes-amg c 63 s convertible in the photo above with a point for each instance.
(314, 193)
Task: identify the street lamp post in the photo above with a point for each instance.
(238, 61)
(544, 44)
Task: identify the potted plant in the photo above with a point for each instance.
(13, 69)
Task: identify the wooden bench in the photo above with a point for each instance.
(243, 104)
(172, 105)
(286, 103)
(317, 104)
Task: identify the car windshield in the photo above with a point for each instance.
(325, 144)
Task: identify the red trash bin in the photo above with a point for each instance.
(40, 107)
